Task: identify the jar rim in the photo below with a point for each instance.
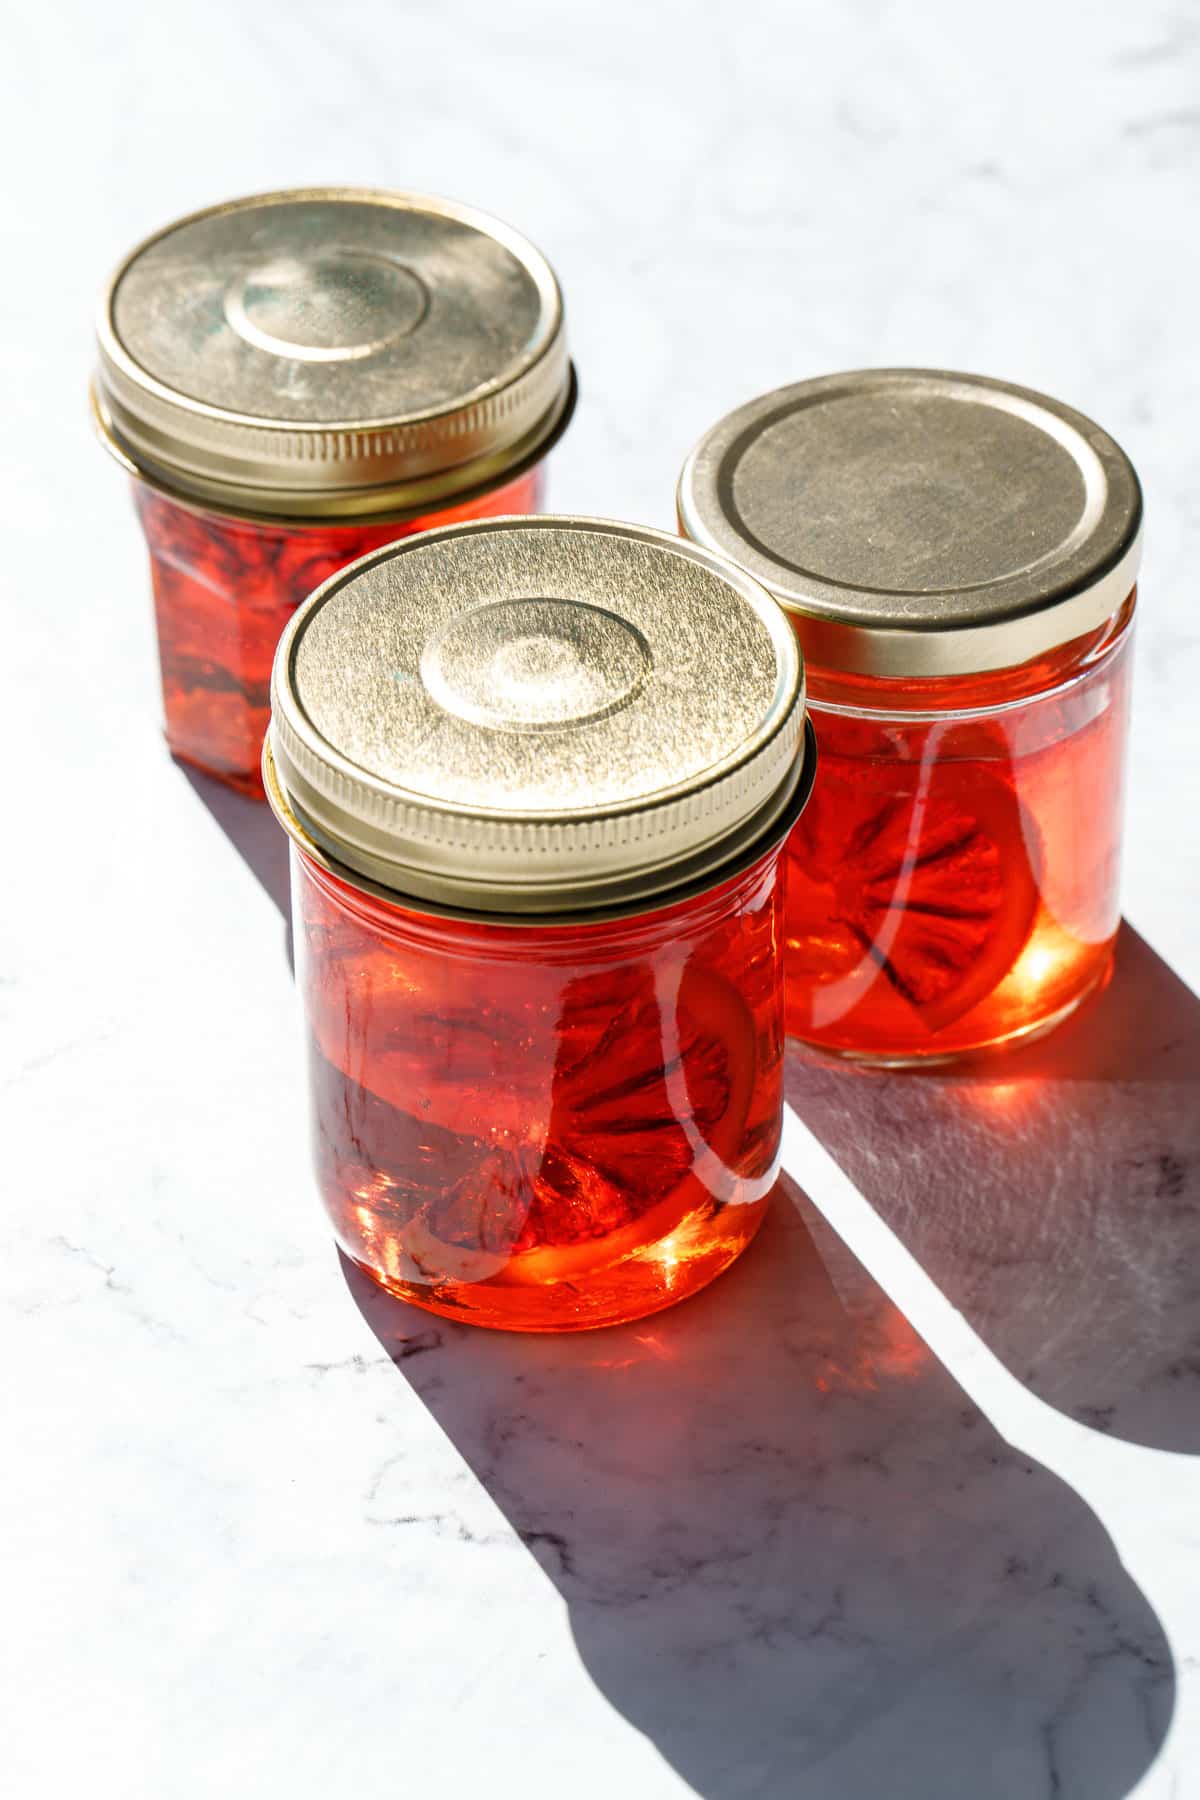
(1110, 643)
(417, 500)
(715, 874)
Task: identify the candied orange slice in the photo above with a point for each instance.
(439, 1122)
(640, 1091)
(642, 1130)
(918, 876)
(646, 1123)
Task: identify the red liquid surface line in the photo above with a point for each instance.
(953, 883)
(544, 1128)
(224, 589)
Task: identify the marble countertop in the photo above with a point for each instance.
(909, 1502)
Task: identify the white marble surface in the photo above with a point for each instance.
(929, 1531)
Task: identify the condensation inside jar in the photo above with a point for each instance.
(965, 595)
(546, 1058)
(294, 380)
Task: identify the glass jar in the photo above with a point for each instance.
(295, 379)
(537, 911)
(958, 557)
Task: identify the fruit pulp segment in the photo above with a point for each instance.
(543, 1128)
(953, 883)
(224, 589)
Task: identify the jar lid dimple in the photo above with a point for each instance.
(537, 716)
(332, 350)
(919, 522)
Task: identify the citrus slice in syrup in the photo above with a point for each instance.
(643, 1129)
(918, 877)
(650, 1090)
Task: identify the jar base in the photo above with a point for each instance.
(247, 782)
(966, 1053)
(658, 1278)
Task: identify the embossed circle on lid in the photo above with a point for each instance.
(332, 350)
(537, 715)
(338, 307)
(535, 665)
(917, 522)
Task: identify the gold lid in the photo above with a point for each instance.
(332, 351)
(538, 715)
(920, 523)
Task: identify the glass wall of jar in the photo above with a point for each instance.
(295, 379)
(538, 916)
(958, 557)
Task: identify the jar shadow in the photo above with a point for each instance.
(254, 833)
(1053, 1195)
(794, 1555)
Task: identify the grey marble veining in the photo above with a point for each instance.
(793, 1554)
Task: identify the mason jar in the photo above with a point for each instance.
(294, 379)
(958, 557)
(537, 775)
